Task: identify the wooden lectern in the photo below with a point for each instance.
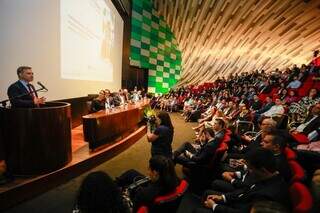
(36, 140)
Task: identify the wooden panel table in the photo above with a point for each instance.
(104, 126)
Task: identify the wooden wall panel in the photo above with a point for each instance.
(219, 37)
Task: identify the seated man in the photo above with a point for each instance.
(192, 147)
(98, 103)
(188, 154)
(268, 185)
(275, 110)
(271, 140)
(204, 155)
(295, 84)
(249, 143)
(311, 126)
(276, 142)
(267, 106)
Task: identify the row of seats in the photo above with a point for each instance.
(301, 197)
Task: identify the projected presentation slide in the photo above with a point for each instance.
(88, 30)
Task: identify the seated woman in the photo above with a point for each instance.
(163, 180)
(161, 138)
(99, 193)
(98, 103)
(207, 124)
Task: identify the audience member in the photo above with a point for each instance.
(98, 193)
(163, 180)
(268, 185)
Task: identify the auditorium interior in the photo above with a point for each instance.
(160, 106)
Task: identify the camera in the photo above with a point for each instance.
(151, 122)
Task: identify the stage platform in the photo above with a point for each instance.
(24, 188)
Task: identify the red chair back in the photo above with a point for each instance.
(179, 191)
(301, 138)
(143, 209)
(297, 171)
(289, 153)
(168, 202)
(301, 198)
(219, 154)
(226, 139)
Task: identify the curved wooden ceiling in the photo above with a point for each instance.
(219, 37)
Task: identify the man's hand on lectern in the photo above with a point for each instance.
(38, 101)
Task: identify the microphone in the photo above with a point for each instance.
(41, 85)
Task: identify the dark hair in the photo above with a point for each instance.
(317, 92)
(261, 158)
(165, 119)
(21, 69)
(221, 122)
(209, 131)
(277, 138)
(168, 179)
(99, 193)
(267, 206)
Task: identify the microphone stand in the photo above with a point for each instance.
(4, 102)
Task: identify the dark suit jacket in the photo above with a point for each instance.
(274, 189)
(265, 108)
(17, 89)
(283, 167)
(311, 126)
(207, 152)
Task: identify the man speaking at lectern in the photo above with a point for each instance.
(22, 94)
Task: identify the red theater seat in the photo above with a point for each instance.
(297, 171)
(289, 153)
(301, 198)
(300, 138)
(167, 203)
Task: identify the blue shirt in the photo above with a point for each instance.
(25, 84)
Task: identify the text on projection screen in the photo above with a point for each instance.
(87, 40)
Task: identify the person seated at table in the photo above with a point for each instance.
(109, 101)
(136, 95)
(119, 98)
(98, 103)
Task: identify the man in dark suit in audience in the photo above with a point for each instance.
(276, 142)
(311, 126)
(273, 141)
(214, 137)
(268, 185)
(22, 93)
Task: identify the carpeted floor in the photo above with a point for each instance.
(61, 199)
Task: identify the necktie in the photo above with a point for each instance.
(31, 90)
